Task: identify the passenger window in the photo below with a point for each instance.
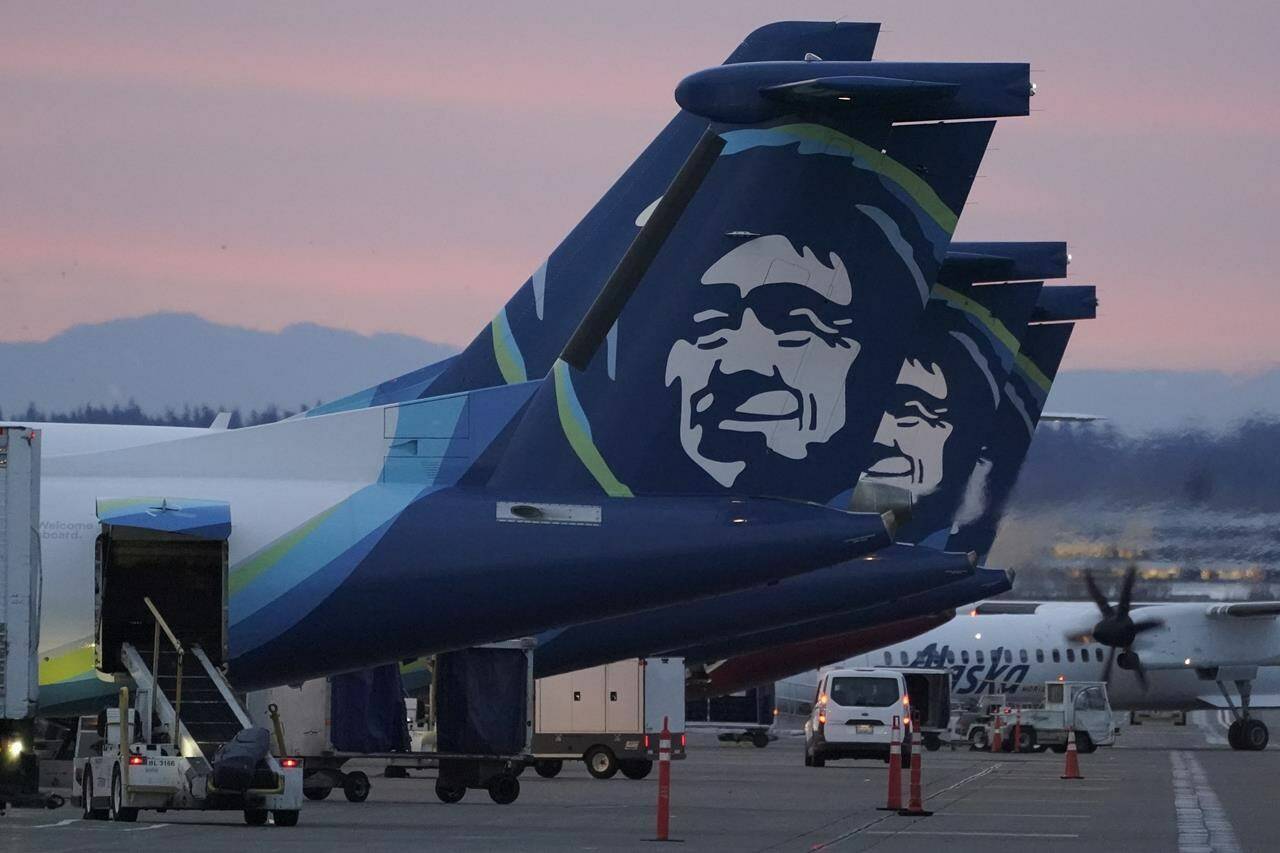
(1039, 655)
(1022, 655)
(1071, 655)
(888, 658)
(902, 656)
(1008, 656)
(1056, 657)
(980, 658)
(964, 656)
(951, 656)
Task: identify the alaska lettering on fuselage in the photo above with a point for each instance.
(998, 674)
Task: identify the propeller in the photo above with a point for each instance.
(1117, 629)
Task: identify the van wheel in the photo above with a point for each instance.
(759, 739)
(118, 810)
(356, 787)
(932, 742)
(548, 768)
(285, 817)
(817, 761)
(601, 762)
(636, 768)
(86, 792)
(255, 817)
(808, 762)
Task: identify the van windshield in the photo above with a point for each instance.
(864, 691)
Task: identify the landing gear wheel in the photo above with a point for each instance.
(548, 768)
(759, 739)
(86, 792)
(636, 768)
(601, 762)
(255, 817)
(1233, 734)
(978, 740)
(316, 793)
(450, 792)
(118, 810)
(503, 789)
(1253, 735)
(285, 817)
(356, 787)
(932, 742)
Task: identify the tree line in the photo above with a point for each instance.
(133, 414)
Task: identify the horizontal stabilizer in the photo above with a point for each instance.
(1066, 303)
(975, 263)
(1070, 417)
(754, 92)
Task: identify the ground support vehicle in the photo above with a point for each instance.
(609, 717)
(855, 711)
(1081, 706)
(743, 717)
(19, 617)
(483, 706)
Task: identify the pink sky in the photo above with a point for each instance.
(398, 167)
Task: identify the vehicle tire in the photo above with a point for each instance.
(932, 742)
(450, 792)
(255, 817)
(808, 761)
(759, 739)
(395, 771)
(118, 810)
(1254, 735)
(1027, 739)
(1058, 748)
(1085, 744)
(316, 793)
(1233, 735)
(548, 768)
(636, 768)
(818, 760)
(285, 817)
(504, 789)
(86, 791)
(356, 787)
(601, 762)
(978, 739)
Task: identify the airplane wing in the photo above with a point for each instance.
(1244, 610)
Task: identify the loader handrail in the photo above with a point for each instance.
(162, 625)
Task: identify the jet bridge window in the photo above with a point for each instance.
(1039, 655)
(1056, 656)
(1071, 655)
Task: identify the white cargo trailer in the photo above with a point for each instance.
(19, 611)
(609, 717)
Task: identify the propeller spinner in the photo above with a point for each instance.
(1117, 629)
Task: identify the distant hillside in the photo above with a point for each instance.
(173, 360)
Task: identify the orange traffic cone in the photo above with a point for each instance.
(1073, 759)
(915, 808)
(997, 739)
(894, 801)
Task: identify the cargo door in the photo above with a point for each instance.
(623, 696)
(664, 694)
(554, 697)
(587, 713)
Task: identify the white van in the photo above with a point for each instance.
(854, 711)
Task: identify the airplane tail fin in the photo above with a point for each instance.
(760, 316)
(1022, 402)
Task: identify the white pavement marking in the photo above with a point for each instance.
(973, 834)
(1203, 826)
(147, 827)
(66, 822)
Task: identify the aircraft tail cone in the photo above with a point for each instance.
(1072, 770)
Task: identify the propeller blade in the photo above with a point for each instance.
(1139, 670)
(1147, 625)
(1126, 590)
(1106, 670)
(1096, 594)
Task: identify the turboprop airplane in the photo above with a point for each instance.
(335, 513)
(1181, 657)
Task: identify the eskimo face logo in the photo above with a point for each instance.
(770, 355)
(912, 437)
